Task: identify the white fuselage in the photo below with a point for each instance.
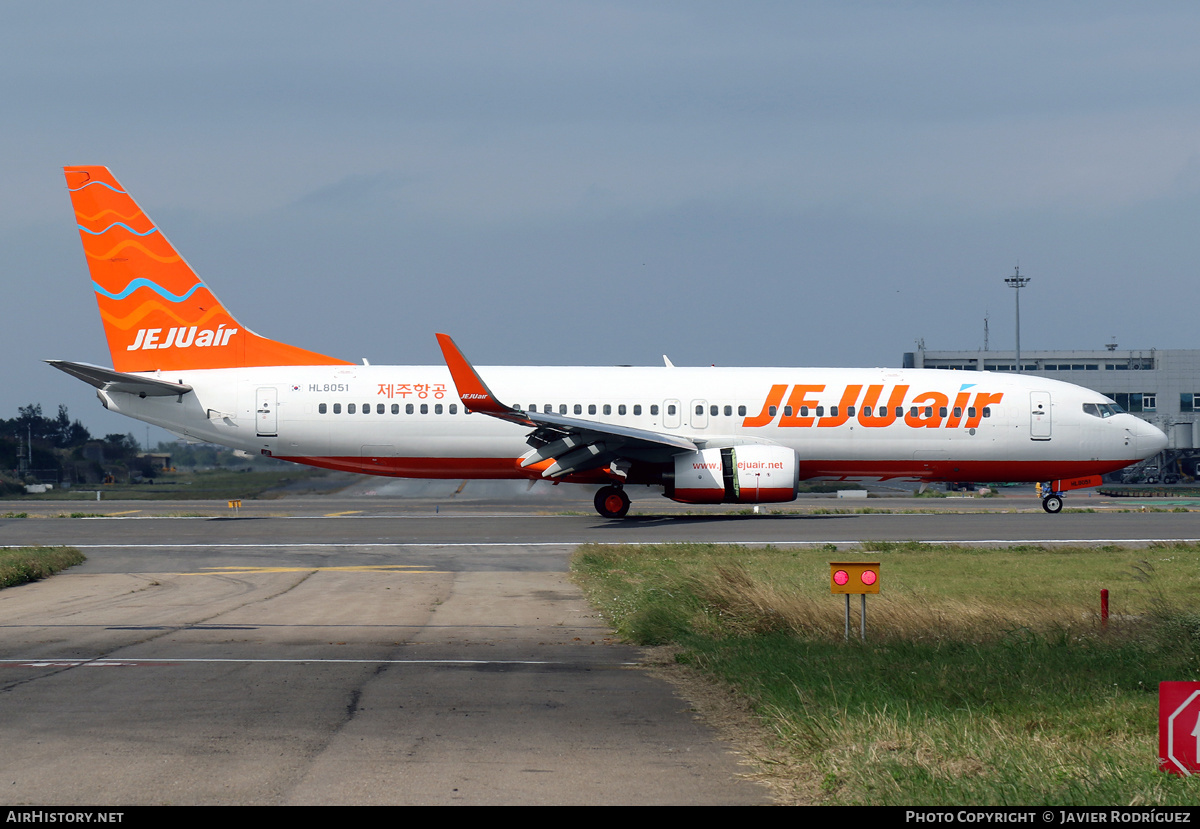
(408, 421)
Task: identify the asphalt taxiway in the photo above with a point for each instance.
(312, 661)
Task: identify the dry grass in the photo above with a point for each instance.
(740, 603)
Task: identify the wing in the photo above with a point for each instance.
(563, 444)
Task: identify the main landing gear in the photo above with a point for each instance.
(612, 502)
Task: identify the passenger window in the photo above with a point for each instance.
(866, 411)
(591, 408)
(607, 409)
(832, 411)
(821, 411)
(787, 411)
(337, 408)
(424, 408)
(654, 410)
(321, 408)
(712, 411)
(366, 408)
(987, 411)
(772, 410)
(971, 411)
(378, 408)
(562, 408)
(728, 411)
(350, 408)
(395, 408)
(670, 409)
(941, 411)
(408, 409)
(741, 411)
(958, 411)
(453, 408)
(621, 409)
(699, 410)
(437, 408)
(849, 411)
(637, 409)
(578, 409)
(803, 411)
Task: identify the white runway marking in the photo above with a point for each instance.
(100, 662)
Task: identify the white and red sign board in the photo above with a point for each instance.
(1179, 727)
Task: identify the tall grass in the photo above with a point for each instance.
(986, 677)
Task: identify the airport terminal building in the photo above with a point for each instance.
(1161, 387)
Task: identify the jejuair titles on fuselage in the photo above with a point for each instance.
(926, 410)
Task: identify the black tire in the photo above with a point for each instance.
(612, 502)
(1052, 504)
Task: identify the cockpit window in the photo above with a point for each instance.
(1102, 409)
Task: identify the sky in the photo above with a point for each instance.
(596, 183)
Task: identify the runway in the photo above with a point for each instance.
(386, 654)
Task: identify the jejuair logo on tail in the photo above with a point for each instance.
(185, 337)
(178, 337)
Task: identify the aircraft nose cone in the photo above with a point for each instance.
(1150, 440)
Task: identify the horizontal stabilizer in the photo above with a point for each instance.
(108, 380)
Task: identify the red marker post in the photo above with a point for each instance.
(1179, 728)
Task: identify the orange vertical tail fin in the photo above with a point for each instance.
(157, 313)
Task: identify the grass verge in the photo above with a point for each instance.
(209, 484)
(986, 677)
(19, 565)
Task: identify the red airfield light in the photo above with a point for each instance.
(854, 577)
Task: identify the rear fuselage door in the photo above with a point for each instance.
(266, 418)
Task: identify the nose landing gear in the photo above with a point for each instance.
(1052, 503)
(1052, 491)
(612, 502)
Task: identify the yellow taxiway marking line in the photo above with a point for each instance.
(126, 512)
(347, 512)
(363, 568)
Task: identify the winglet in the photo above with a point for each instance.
(474, 393)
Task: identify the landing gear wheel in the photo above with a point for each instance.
(1052, 504)
(612, 502)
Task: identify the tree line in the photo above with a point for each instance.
(57, 449)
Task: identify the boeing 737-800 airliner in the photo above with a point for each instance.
(702, 435)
